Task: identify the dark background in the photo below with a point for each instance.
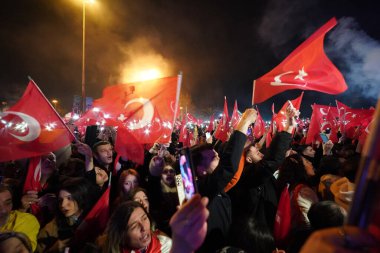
(220, 46)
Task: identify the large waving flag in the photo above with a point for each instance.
(147, 109)
(306, 68)
(31, 127)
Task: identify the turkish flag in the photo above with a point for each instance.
(235, 117)
(280, 118)
(322, 118)
(33, 176)
(95, 221)
(306, 68)
(31, 127)
(223, 126)
(126, 145)
(147, 109)
(259, 127)
(210, 127)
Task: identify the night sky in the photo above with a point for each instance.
(220, 46)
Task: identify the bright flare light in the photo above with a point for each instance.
(148, 74)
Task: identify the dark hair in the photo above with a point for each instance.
(292, 172)
(21, 236)
(117, 226)
(257, 237)
(79, 190)
(196, 153)
(73, 167)
(99, 143)
(133, 192)
(325, 214)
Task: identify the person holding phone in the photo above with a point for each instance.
(214, 172)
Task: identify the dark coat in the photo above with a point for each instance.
(212, 186)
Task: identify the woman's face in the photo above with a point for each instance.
(168, 176)
(138, 234)
(67, 205)
(142, 199)
(130, 183)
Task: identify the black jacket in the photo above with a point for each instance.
(212, 186)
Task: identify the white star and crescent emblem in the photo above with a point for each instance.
(301, 74)
(148, 112)
(28, 122)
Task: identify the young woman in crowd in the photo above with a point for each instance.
(73, 204)
(130, 230)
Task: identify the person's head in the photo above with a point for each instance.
(6, 203)
(48, 164)
(73, 197)
(253, 155)
(129, 179)
(103, 152)
(97, 176)
(73, 167)
(293, 171)
(205, 159)
(168, 172)
(139, 195)
(326, 214)
(128, 228)
(306, 150)
(15, 242)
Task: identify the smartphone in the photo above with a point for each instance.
(324, 137)
(208, 135)
(187, 173)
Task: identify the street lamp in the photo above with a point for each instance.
(55, 102)
(84, 54)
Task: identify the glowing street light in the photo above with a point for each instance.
(55, 102)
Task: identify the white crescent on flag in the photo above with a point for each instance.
(148, 112)
(301, 75)
(32, 124)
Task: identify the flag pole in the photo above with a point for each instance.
(253, 92)
(42, 94)
(179, 84)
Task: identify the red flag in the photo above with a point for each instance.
(31, 127)
(280, 118)
(210, 127)
(306, 68)
(95, 221)
(321, 119)
(147, 108)
(127, 145)
(223, 127)
(283, 216)
(191, 119)
(235, 117)
(33, 176)
(259, 127)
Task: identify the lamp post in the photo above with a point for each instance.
(84, 57)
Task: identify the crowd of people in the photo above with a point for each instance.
(239, 181)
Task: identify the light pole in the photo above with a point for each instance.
(84, 57)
